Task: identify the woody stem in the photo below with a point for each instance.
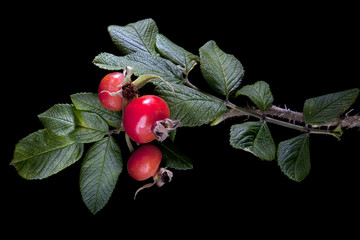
(240, 111)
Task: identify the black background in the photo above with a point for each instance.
(301, 50)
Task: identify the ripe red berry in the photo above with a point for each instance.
(108, 91)
(144, 162)
(142, 115)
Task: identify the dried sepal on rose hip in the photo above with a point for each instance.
(144, 163)
(148, 118)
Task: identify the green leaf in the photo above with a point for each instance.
(110, 62)
(254, 137)
(174, 158)
(90, 102)
(83, 127)
(223, 72)
(259, 93)
(60, 119)
(42, 154)
(175, 53)
(294, 157)
(90, 127)
(328, 108)
(142, 64)
(191, 107)
(135, 37)
(99, 173)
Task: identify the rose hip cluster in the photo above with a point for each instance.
(145, 119)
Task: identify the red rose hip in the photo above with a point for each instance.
(109, 91)
(147, 118)
(144, 162)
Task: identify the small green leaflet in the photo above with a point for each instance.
(294, 157)
(175, 53)
(223, 72)
(135, 37)
(142, 64)
(191, 107)
(254, 137)
(329, 107)
(259, 93)
(90, 102)
(99, 173)
(42, 154)
(81, 126)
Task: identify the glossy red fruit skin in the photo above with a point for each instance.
(144, 162)
(141, 115)
(111, 83)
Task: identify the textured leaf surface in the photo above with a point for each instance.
(90, 102)
(60, 119)
(191, 107)
(90, 127)
(42, 154)
(328, 108)
(259, 93)
(254, 137)
(99, 173)
(223, 72)
(175, 53)
(109, 62)
(142, 64)
(81, 126)
(135, 37)
(294, 157)
(174, 158)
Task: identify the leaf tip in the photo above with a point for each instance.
(111, 28)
